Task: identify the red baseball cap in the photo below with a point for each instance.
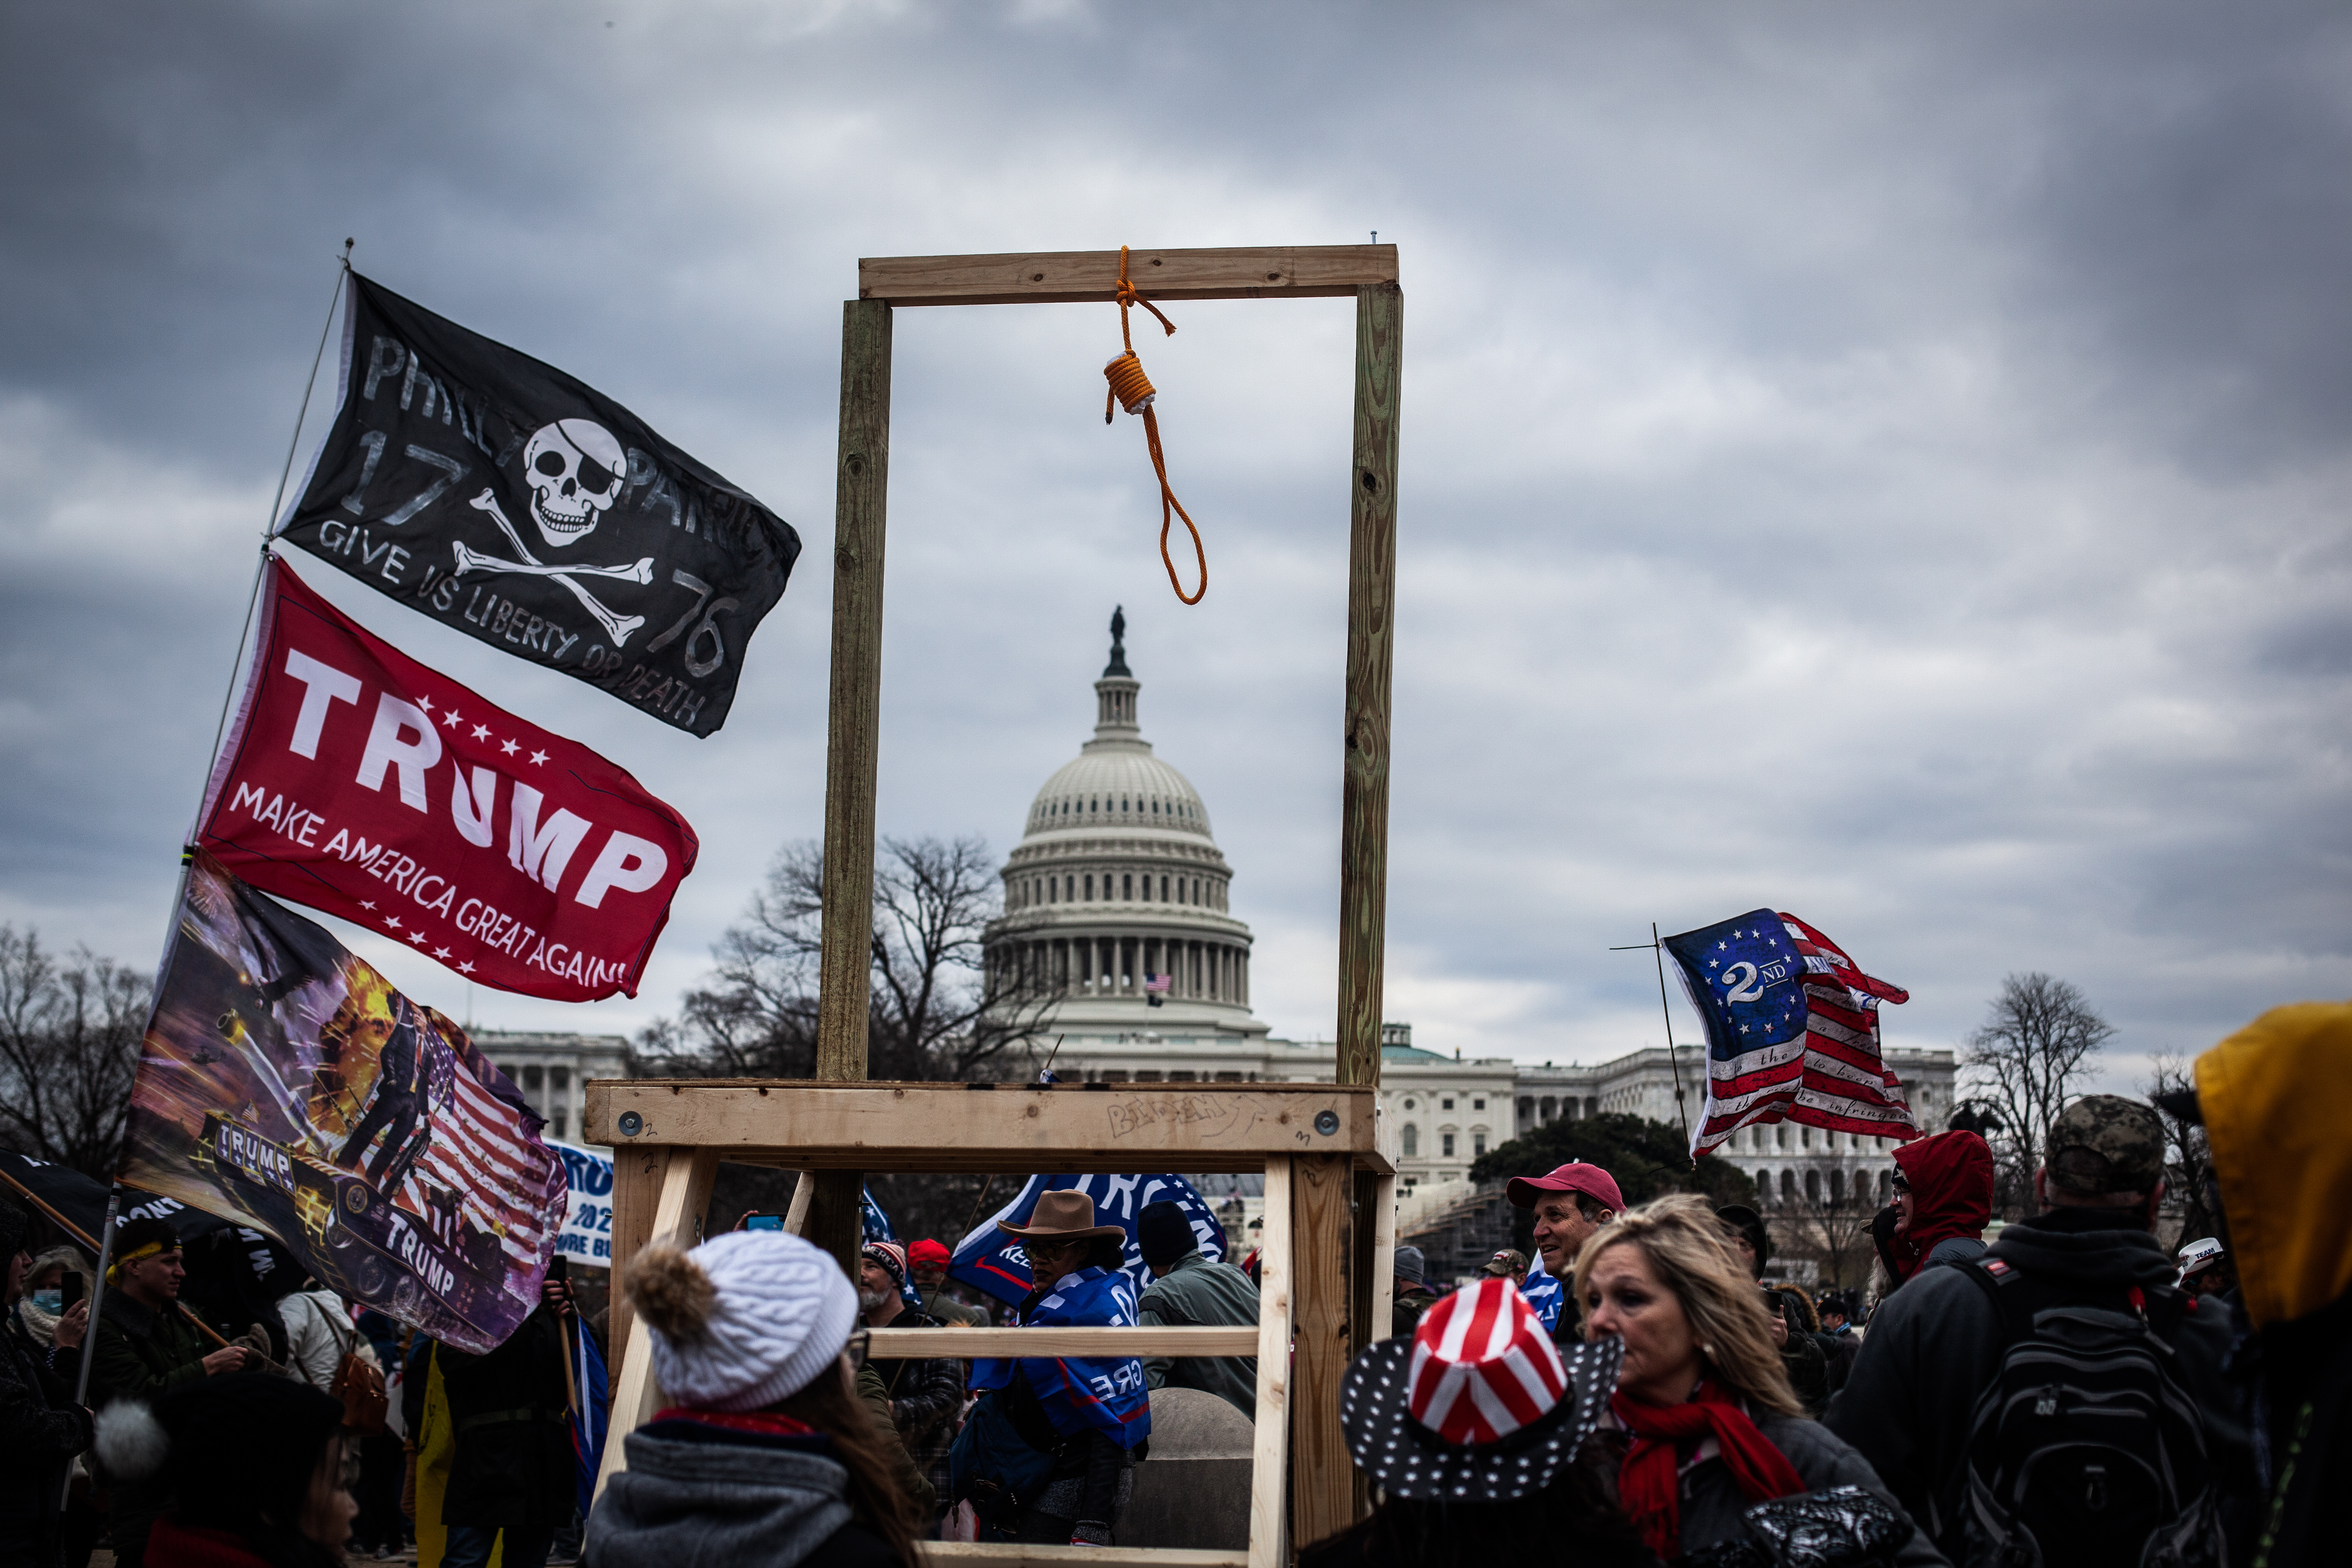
(923, 1254)
(1575, 1176)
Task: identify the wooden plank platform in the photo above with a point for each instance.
(990, 1554)
(1068, 277)
(1016, 1128)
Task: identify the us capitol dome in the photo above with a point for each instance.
(1118, 898)
(1118, 902)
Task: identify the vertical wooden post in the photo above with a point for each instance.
(845, 965)
(1270, 1446)
(680, 1195)
(1363, 838)
(637, 1173)
(1371, 612)
(1322, 1235)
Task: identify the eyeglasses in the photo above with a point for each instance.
(1902, 1185)
(860, 1341)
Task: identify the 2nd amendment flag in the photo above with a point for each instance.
(508, 499)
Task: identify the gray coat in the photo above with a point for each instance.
(712, 1503)
(1712, 1503)
(1195, 1292)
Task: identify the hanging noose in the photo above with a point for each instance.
(1130, 389)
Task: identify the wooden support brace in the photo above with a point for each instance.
(677, 1209)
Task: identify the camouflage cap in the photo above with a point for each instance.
(2105, 1143)
(1507, 1261)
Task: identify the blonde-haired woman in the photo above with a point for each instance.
(1710, 1425)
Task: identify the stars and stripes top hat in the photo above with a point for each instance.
(1479, 1406)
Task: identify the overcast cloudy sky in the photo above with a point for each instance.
(1885, 462)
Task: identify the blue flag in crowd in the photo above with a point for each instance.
(1105, 1393)
(877, 1227)
(588, 1422)
(990, 1260)
(1543, 1293)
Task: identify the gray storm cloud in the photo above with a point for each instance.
(1885, 466)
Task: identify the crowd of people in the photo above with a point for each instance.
(2063, 1389)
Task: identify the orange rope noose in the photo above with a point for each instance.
(1130, 389)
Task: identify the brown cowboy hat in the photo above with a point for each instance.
(1061, 1216)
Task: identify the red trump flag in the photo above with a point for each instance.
(359, 781)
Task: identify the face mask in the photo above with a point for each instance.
(49, 1301)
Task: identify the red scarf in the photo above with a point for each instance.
(1649, 1482)
(766, 1423)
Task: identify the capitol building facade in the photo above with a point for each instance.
(1118, 902)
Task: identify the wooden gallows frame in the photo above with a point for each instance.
(1329, 1172)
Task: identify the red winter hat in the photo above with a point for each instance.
(1575, 1176)
(923, 1254)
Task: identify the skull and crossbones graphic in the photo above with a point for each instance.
(576, 469)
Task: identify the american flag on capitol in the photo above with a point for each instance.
(1792, 1031)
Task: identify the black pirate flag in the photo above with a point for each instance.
(502, 496)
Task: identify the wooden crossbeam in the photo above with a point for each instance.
(1020, 1128)
(970, 1344)
(1066, 277)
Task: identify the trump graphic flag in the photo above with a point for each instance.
(284, 1084)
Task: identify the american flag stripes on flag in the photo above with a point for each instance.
(1793, 1031)
(1155, 982)
(484, 1148)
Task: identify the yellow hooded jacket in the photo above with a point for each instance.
(2277, 1102)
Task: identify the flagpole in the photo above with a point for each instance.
(97, 1293)
(1658, 952)
(278, 502)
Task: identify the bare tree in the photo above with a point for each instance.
(2188, 1158)
(937, 1008)
(1827, 1216)
(2021, 1061)
(69, 1040)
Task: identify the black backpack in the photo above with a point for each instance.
(2087, 1449)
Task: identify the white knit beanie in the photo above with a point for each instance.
(742, 1320)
